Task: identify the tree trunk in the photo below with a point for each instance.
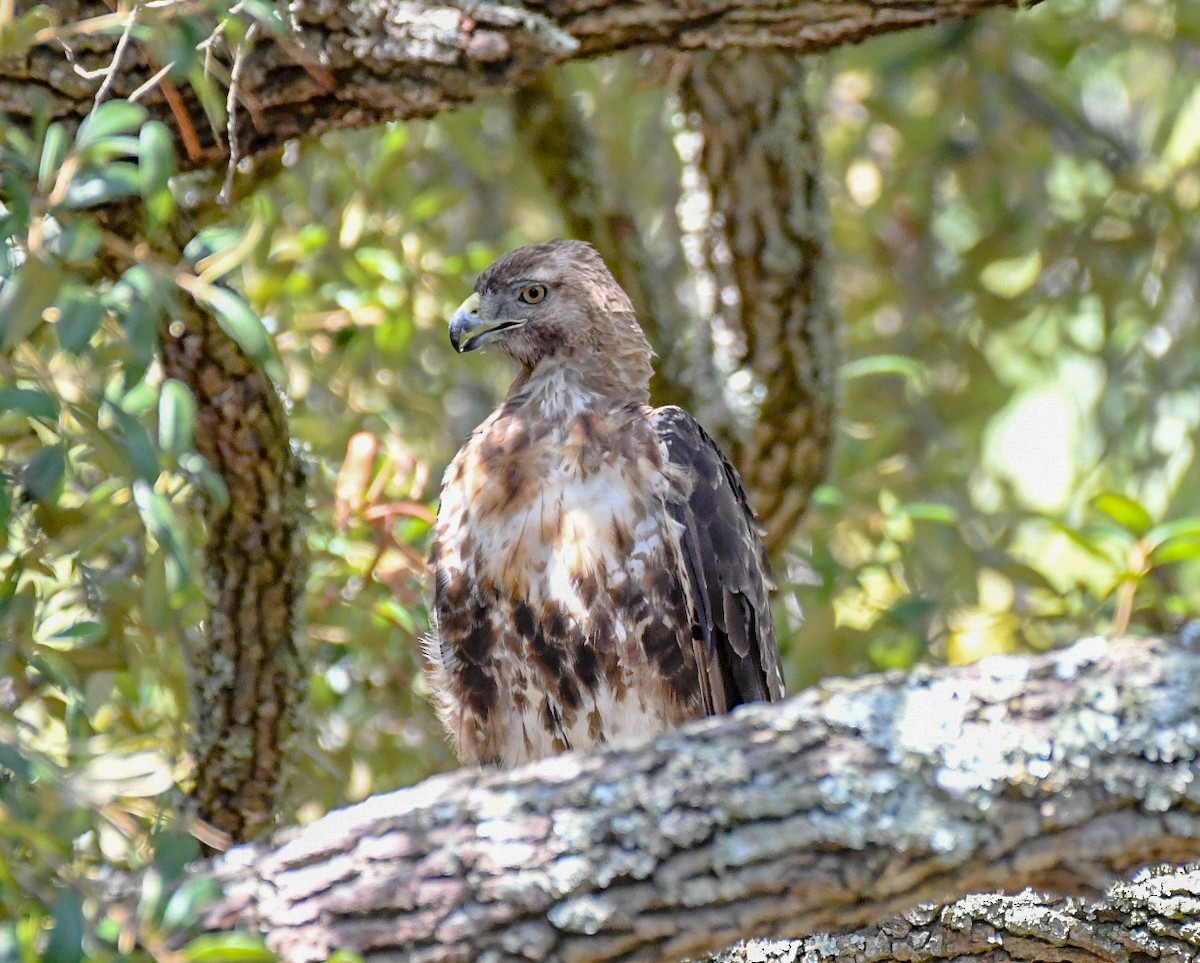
(766, 245)
(246, 675)
(847, 804)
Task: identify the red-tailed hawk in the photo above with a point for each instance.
(599, 573)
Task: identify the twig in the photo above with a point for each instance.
(231, 102)
(149, 85)
(110, 75)
(187, 132)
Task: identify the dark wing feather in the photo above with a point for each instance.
(726, 567)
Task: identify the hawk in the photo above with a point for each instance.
(599, 574)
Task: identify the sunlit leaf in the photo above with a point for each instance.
(82, 633)
(1180, 528)
(194, 896)
(885, 364)
(54, 151)
(1123, 510)
(931, 512)
(112, 182)
(176, 417)
(156, 164)
(227, 948)
(111, 118)
(1183, 147)
(1184, 548)
(1012, 277)
(238, 320)
(161, 522)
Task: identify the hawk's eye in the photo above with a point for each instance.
(533, 293)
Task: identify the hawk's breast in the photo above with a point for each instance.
(556, 593)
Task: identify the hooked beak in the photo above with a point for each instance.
(469, 331)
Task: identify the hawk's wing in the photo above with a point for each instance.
(727, 569)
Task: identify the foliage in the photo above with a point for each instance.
(1014, 206)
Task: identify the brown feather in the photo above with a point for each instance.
(599, 574)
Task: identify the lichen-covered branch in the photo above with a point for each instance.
(849, 803)
(1152, 918)
(766, 253)
(339, 65)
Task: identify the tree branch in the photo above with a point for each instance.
(353, 65)
(1153, 918)
(849, 803)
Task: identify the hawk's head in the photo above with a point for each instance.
(555, 302)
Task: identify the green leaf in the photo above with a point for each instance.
(81, 312)
(84, 633)
(12, 760)
(24, 298)
(139, 302)
(79, 242)
(43, 476)
(156, 163)
(1188, 527)
(176, 417)
(1183, 147)
(54, 152)
(193, 897)
(137, 446)
(66, 939)
(239, 321)
(930, 512)
(885, 364)
(111, 118)
(5, 517)
(1185, 548)
(227, 948)
(160, 521)
(17, 199)
(32, 401)
(17, 36)
(1012, 277)
(112, 182)
(174, 851)
(1123, 510)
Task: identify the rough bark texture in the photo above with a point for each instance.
(346, 64)
(244, 667)
(1153, 918)
(766, 251)
(839, 808)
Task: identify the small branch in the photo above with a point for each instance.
(1153, 918)
(114, 68)
(231, 105)
(839, 808)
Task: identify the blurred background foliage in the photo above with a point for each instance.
(1016, 236)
